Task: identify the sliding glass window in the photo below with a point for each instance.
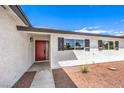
(111, 45)
(108, 45)
(71, 44)
(105, 45)
(79, 44)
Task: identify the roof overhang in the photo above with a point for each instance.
(47, 30)
(18, 11)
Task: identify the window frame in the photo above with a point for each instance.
(83, 44)
(101, 45)
(67, 48)
(109, 45)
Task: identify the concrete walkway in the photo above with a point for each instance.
(43, 77)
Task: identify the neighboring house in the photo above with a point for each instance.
(21, 45)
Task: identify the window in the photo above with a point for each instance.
(69, 44)
(105, 45)
(108, 45)
(79, 44)
(111, 45)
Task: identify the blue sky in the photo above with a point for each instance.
(88, 18)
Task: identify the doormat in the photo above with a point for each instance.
(62, 80)
(26, 80)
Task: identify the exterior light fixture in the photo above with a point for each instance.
(31, 39)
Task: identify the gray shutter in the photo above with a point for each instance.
(87, 45)
(60, 44)
(116, 45)
(100, 45)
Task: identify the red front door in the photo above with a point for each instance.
(40, 50)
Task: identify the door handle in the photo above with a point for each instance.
(44, 52)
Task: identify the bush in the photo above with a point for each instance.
(84, 68)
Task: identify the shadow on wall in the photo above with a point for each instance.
(67, 55)
(70, 58)
(62, 80)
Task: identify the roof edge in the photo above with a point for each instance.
(47, 30)
(19, 12)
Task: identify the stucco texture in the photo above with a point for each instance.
(78, 57)
(15, 49)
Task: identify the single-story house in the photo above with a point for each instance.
(21, 45)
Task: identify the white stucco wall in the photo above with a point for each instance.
(15, 49)
(78, 57)
(17, 52)
(59, 59)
